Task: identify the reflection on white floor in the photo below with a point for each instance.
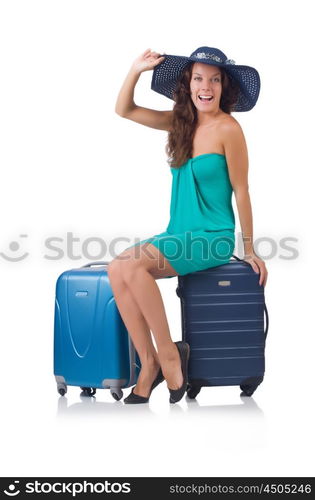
(219, 433)
(90, 406)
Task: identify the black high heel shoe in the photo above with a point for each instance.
(136, 399)
(184, 350)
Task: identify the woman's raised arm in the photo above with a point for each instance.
(125, 105)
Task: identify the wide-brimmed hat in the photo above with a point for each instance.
(166, 74)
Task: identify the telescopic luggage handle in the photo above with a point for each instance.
(265, 307)
(97, 263)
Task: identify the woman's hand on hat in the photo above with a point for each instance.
(258, 265)
(147, 61)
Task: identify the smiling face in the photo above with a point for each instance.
(206, 87)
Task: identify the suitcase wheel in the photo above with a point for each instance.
(88, 391)
(61, 388)
(117, 393)
(193, 391)
(248, 390)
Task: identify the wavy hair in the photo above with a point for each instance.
(184, 119)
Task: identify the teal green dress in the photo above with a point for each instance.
(200, 233)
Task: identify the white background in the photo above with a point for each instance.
(69, 164)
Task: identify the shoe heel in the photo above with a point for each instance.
(184, 353)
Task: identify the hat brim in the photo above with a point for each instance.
(166, 74)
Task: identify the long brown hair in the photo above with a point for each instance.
(184, 118)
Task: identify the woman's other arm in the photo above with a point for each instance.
(237, 160)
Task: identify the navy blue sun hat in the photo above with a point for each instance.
(166, 74)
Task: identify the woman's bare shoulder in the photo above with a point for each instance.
(228, 122)
(233, 139)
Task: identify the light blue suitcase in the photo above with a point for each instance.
(92, 347)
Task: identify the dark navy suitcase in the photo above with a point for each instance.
(92, 347)
(222, 317)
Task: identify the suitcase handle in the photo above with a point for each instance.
(240, 260)
(97, 263)
(267, 320)
(235, 257)
(265, 307)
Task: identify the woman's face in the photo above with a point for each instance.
(206, 81)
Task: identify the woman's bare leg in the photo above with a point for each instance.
(140, 274)
(138, 329)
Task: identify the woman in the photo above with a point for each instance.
(208, 160)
